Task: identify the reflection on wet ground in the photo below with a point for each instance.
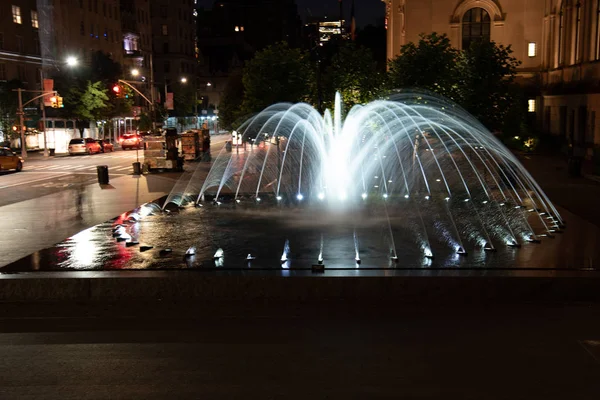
(253, 238)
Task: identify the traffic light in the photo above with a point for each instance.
(59, 102)
(54, 101)
(117, 89)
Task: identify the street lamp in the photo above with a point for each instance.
(183, 80)
(135, 72)
(71, 61)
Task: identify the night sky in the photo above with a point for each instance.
(366, 11)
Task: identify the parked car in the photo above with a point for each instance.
(106, 145)
(131, 141)
(9, 160)
(84, 146)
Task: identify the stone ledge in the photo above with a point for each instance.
(407, 289)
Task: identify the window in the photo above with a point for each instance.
(19, 43)
(109, 12)
(2, 72)
(34, 19)
(1, 41)
(104, 9)
(475, 26)
(164, 11)
(81, 28)
(165, 30)
(80, 3)
(92, 30)
(165, 48)
(16, 11)
(36, 45)
(531, 49)
(531, 105)
(167, 67)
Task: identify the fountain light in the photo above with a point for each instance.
(428, 253)
(299, 196)
(278, 198)
(364, 196)
(488, 247)
(237, 200)
(376, 186)
(258, 199)
(512, 243)
(406, 196)
(321, 196)
(466, 200)
(485, 202)
(385, 195)
(427, 197)
(501, 204)
(438, 180)
(250, 257)
(460, 251)
(390, 181)
(190, 252)
(533, 239)
(219, 253)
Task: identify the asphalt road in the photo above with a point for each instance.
(42, 176)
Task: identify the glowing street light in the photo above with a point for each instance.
(71, 61)
(135, 72)
(183, 80)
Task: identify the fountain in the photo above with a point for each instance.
(413, 181)
(416, 162)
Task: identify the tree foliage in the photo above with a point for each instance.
(8, 106)
(480, 78)
(489, 89)
(276, 74)
(431, 64)
(231, 102)
(91, 102)
(353, 72)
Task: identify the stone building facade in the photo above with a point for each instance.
(557, 42)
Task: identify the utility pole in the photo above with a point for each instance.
(44, 115)
(22, 125)
(152, 105)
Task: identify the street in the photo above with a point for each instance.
(42, 176)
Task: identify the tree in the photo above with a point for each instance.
(431, 64)
(8, 106)
(489, 92)
(276, 74)
(91, 102)
(353, 72)
(231, 102)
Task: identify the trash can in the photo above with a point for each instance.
(137, 168)
(102, 174)
(52, 152)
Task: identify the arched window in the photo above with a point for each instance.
(475, 26)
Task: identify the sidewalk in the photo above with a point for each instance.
(581, 196)
(39, 223)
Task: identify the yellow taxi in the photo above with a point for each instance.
(9, 160)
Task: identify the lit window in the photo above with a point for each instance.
(531, 49)
(531, 105)
(165, 30)
(237, 28)
(34, 19)
(16, 10)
